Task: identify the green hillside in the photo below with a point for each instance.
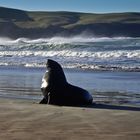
(17, 23)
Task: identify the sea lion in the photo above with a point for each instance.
(56, 90)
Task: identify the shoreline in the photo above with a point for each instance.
(109, 87)
(24, 119)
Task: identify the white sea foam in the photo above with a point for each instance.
(59, 40)
(78, 51)
(73, 53)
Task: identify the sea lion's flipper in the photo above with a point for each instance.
(43, 101)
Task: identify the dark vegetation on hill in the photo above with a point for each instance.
(17, 23)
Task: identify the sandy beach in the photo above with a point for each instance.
(115, 116)
(26, 119)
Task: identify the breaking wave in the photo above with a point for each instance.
(118, 53)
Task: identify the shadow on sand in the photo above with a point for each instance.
(113, 107)
(106, 106)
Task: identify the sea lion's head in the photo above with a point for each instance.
(54, 77)
(55, 71)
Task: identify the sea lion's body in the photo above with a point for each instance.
(56, 90)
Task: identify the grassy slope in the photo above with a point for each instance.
(71, 21)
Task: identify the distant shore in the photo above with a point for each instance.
(49, 24)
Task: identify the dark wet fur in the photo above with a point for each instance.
(59, 91)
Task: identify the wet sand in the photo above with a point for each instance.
(26, 119)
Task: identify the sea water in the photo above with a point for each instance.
(119, 53)
(109, 68)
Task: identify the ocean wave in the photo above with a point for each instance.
(105, 60)
(78, 42)
(60, 40)
(118, 53)
(84, 66)
(73, 53)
